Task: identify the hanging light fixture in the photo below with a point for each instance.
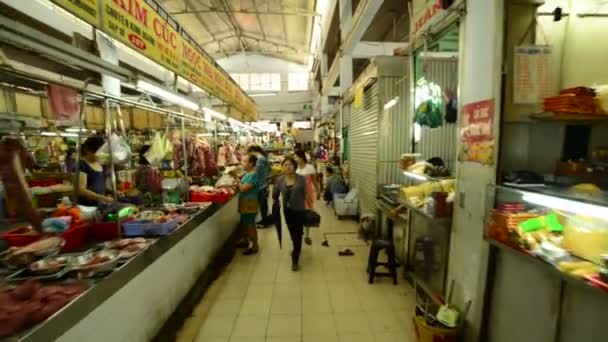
(166, 95)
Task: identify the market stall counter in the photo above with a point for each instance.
(134, 301)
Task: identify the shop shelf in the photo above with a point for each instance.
(562, 116)
(532, 258)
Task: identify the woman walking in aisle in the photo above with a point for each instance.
(262, 168)
(248, 187)
(310, 174)
(292, 188)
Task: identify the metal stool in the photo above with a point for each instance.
(372, 263)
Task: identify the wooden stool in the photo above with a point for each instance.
(377, 246)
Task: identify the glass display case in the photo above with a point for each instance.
(565, 228)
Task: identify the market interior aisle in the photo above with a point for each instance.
(259, 298)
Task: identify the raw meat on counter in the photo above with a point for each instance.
(128, 248)
(31, 303)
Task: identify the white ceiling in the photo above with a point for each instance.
(276, 28)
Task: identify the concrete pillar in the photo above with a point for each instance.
(346, 73)
(346, 16)
(481, 42)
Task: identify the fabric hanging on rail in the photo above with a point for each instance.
(63, 102)
(202, 159)
(221, 156)
(178, 151)
(230, 155)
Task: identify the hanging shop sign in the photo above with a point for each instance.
(533, 78)
(144, 26)
(87, 10)
(148, 30)
(477, 132)
(359, 97)
(428, 15)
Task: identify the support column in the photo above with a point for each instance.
(346, 73)
(346, 61)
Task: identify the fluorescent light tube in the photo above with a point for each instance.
(223, 134)
(166, 95)
(415, 175)
(75, 129)
(262, 94)
(580, 208)
(214, 114)
(56, 134)
(391, 103)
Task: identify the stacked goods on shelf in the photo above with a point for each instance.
(578, 100)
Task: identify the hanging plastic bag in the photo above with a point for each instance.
(429, 104)
(121, 151)
(157, 151)
(601, 92)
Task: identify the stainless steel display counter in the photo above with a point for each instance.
(531, 300)
(133, 302)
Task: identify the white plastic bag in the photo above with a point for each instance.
(225, 181)
(121, 151)
(158, 150)
(602, 96)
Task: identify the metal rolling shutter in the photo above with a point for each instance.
(442, 141)
(363, 149)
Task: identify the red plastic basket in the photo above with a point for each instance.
(103, 231)
(222, 197)
(75, 238)
(21, 236)
(202, 196)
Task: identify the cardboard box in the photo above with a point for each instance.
(28, 105)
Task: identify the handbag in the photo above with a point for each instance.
(311, 218)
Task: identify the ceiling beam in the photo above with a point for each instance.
(227, 7)
(275, 43)
(260, 24)
(206, 27)
(284, 11)
(282, 56)
(283, 21)
(364, 14)
(375, 49)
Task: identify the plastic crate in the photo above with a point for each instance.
(75, 238)
(137, 227)
(164, 228)
(21, 236)
(103, 231)
(149, 228)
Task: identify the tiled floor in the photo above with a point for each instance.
(259, 299)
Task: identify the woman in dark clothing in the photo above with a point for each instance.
(70, 160)
(92, 181)
(292, 188)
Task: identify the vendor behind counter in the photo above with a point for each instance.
(92, 180)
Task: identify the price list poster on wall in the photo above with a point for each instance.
(533, 79)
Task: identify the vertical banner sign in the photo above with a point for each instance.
(477, 132)
(145, 27)
(87, 10)
(358, 97)
(532, 80)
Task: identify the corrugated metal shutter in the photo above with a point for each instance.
(346, 115)
(363, 149)
(395, 137)
(440, 142)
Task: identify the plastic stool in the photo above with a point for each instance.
(372, 263)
